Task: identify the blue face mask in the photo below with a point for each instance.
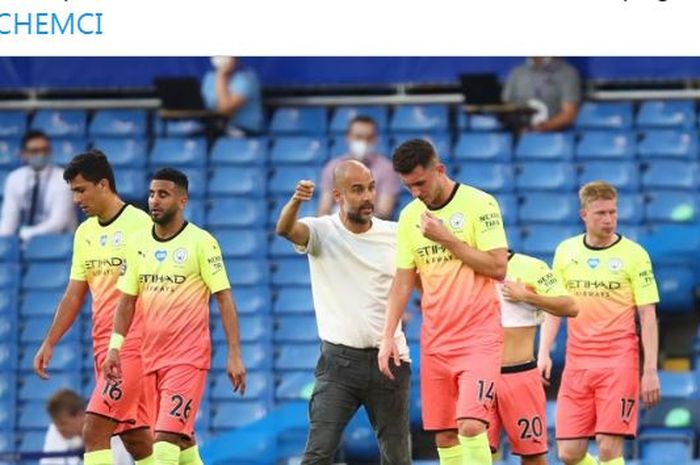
(37, 162)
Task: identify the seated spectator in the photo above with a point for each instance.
(549, 85)
(362, 138)
(36, 200)
(67, 412)
(234, 91)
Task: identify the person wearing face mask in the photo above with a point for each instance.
(36, 199)
(361, 138)
(235, 92)
(551, 87)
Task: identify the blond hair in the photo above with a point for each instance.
(596, 190)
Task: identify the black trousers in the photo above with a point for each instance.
(347, 378)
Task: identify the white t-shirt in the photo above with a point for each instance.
(350, 279)
(54, 442)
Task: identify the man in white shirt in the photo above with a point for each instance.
(351, 259)
(67, 412)
(36, 198)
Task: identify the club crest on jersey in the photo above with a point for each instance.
(457, 221)
(117, 239)
(614, 265)
(161, 254)
(103, 240)
(593, 263)
(180, 256)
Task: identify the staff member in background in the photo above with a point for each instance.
(36, 200)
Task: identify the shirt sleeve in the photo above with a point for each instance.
(570, 86)
(211, 265)
(313, 247)
(243, 84)
(488, 225)
(11, 206)
(77, 267)
(545, 281)
(129, 280)
(558, 265)
(404, 253)
(643, 281)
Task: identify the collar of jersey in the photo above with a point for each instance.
(114, 218)
(452, 196)
(158, 239)
(590, 247)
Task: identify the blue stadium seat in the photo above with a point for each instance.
(60, 123)
(131, 184)
(547, 176)
(299, 121)
(234, 414)
(630, 209)
(297, 356)
(253, 328)
(202, 422)
(118, 123)
(607, 145)
(300, 329)
(9, 249)
(666, 113)
(284, 179)
(32, 388)
(179, 152)
(8, 353)
(8, 302)
(294, 300)
(239, 151)
(33, 415)
(295, 385)
(540, 207)
(13, 123)
(249, 213)
(666, 445)
(514, 234)
(624, 175)
(8, 327)
(229, 181)
(34, 330)
(9, 276)
(669, 174)
(440, 140)
(256, 356)
(63, 150)
(676, 289)
(420, 118)
(195, 211)
(291, 272)
(182, 128)
(360, 444)
(339, 147)
(49, 247)
(681, 385)
(66, 358)
(412, 330)
(46, 276)
(484, 122)
(123, 152)
(299, 150)
(671, 207)
(278, 202)
(281, 247)
(541, 240)
(247, 272)
(253, 300)
(33, 441)
(196, 179)
(40, 303)
(549, 146)
(669, 143)
(509, 208)
(343, 115)
(487, 146)
(488, 176)
(9, 153)
(258, 387)
(605, 115)
(242, 243)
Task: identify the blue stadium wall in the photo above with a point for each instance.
(138, 72)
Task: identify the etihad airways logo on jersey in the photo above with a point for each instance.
(103, 263)
(160, 282)
(434, 253)
(586, 284)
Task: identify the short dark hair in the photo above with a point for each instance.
(171, 174)
(91, 165)
(64, 401)
(33, 134)
(363, 119)
(413, 153)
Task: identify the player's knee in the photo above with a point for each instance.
(444, 439)
(534, 460)
(471, 428)
(570, 455)
(138, 443)
(609, 449)
(97, 433)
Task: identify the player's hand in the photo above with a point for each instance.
(432, 228)
(236, 373)
(544, 365)
(651, 388)
(304, 191)
(112, 366)
(388, 350)
(514, 291)
(42, 359)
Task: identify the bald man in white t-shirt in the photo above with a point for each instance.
(351, 258)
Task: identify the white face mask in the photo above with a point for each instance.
(220, 62)
(360, 149)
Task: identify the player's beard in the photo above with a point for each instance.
(165, 217)
(359, 218)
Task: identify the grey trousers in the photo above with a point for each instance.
(346, 379)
